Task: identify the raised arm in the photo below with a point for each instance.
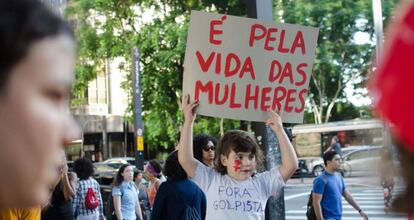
(185, 150)
(69, 184)
(288, 155)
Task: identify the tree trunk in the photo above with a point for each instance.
(221, 127)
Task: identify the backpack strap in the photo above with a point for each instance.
(325, 181)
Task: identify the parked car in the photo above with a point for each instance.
(122, 160)
(362, 162)
(309, 166)
(315, 165)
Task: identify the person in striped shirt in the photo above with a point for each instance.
(83, 167)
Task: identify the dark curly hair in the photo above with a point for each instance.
(84, 168)
(199, 142)
(238, 141)
(119, 178)
(157, 166)
(172, 168)
(23, 23)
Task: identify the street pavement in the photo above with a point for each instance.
(366, 191)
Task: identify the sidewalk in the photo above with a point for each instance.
(349, 181)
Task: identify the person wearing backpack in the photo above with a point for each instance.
(125, 195)
(87, 204)
(178, 198)
(328, 189)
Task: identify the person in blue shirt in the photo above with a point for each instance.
(125, 195)
(328, 189)
(177, 193)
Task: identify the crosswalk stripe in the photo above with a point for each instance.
(368, 198)
(368, 212)
(366, 202)
(366, 194)
(362, 206)
(352, 218)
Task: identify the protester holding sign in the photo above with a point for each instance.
(232, 188)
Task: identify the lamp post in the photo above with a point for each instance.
(379, 41)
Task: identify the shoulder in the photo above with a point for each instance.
(94, 182)
(202, 168)
(321, 179)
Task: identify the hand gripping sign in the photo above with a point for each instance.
(239, 67)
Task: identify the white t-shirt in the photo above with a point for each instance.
(228, 198)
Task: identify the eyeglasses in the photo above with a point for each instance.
(206, 149)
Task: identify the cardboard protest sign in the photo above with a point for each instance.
(239, 67)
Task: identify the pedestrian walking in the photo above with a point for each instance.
(328, 190)
(87, 204)
(37, 58)
(204, 147)
(335, 146)
(60, 204)
(152, 172)
(178, 197)
(142, 196)
(233, 189)
(125, 195)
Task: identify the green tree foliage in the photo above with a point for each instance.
(339, 58)
(108, 29)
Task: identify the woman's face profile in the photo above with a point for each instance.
(36, 122)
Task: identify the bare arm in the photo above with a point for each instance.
(317, 198)
(185, 150)
(348, 197)
(69, 184)
(328, 149)
(117, 207)
(288, 154)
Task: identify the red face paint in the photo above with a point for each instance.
(237, 165)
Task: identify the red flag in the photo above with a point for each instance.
(392, 87)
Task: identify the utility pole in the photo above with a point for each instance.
(263, 10)
(379, 42)
(138, 128)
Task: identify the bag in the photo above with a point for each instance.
(91, 201)
(110, 207)
(190, 213)
(310, 211)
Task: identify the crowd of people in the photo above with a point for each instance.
(205, 178)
